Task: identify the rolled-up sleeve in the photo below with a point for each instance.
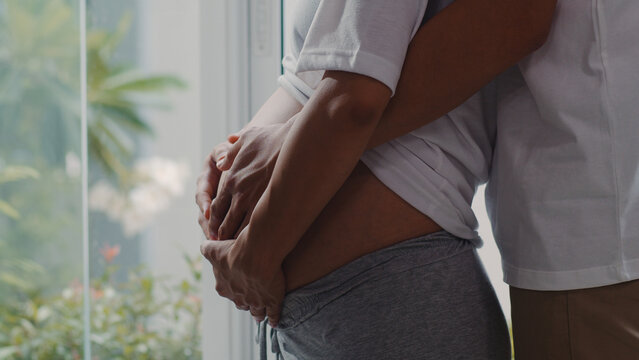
(366, 37)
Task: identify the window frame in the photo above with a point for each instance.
(238, 75)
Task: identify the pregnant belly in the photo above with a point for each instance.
(363, 216)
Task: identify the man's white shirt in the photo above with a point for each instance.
(563, 194)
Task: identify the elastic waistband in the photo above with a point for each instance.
(308, 300)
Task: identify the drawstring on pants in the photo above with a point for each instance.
(260, 338)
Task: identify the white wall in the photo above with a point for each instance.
(192, 40)
(489, 252)
(169, 43)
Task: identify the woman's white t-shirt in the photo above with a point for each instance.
(436, 168)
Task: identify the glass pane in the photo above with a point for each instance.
(41, 294)
(143, 71)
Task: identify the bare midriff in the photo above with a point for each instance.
(362, 217)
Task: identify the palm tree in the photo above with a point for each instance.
(40, 87)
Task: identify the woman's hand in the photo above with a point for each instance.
(245, 278)
(207, 183)
(248, 165)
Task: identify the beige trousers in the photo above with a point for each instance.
(598, 323)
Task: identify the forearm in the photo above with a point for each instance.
(278, 109)
(320, 152)
(456, 53)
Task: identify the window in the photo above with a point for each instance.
(113, 272)
(41, 227)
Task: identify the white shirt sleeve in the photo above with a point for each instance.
(367, 37)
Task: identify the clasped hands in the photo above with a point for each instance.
(234, 177)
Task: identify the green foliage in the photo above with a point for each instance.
(141, 318)
(40, 86)
(15, 272)
(40, 125)
(39, 79)
(40, 199)
(115, 92)
(10, 174)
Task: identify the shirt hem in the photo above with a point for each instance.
(423, 201)
(359, 62)
(293, 89)
(571, 279)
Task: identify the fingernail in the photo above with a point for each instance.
(220, 162)
(204, 208)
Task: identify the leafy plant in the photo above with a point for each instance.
(115, 95)
(15, 273)
(39, 81)
(10, 174)
(40, 123)
(40, 86)
(40, 224)
(129, 320)
(39, 128)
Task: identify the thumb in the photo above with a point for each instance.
(227, 161)
(219, 153)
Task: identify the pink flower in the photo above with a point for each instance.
(110, 252)
(96, 294)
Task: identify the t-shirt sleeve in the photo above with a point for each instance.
(367, 37)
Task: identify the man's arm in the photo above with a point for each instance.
(456, 53)
(450, 58)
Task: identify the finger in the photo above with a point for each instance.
(258, 313)
(203, 201)
(229, 158)
(204, 189)
(233, 138)
(245, 222)
(273, 313)
(219, 207)
(207, 251)
(232, 220)
(207, 184)
(214, 250)
(220, 151)
(219, 154)
(239, 302)
(204, 224)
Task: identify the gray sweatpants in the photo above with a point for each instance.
(424, 298)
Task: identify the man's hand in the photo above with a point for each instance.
(208, 181)
(247, 165)
(243, 278)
